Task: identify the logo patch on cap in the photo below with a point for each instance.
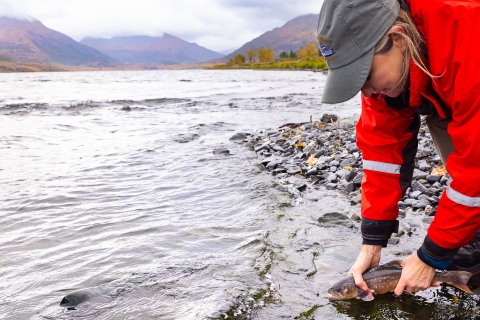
(327, 52)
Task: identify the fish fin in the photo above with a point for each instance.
(389, 265)
(394, 263)
(365, 296)
(459, 280)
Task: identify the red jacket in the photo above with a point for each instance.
(387, 136)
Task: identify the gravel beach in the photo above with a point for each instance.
(323, 154)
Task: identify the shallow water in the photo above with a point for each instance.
(110, 186)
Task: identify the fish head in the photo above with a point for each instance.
(344, 289)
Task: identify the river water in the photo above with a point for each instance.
(110, 186)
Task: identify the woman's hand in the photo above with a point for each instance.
(368, 257)
(416, 276)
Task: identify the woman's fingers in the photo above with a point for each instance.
(416, 276)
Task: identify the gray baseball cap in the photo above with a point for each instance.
(348, 31)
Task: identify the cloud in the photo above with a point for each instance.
(215, 24)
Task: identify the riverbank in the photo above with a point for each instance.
(307, 63)
(324, 154)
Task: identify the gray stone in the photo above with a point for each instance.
(415, 194)
(358, 179)
(328, 118)
(331, 186)
(341, 173)
(335, 219)
(262, 146)
(356, 200)
(314, 195)
(417, 186)
(355, 217)
(352, 148)
(351, 187)
(402, 205)
(310, 172)
(334, 163)
(273, 164)
(221, 151)
(444, 180)
(420, 204)
(345, 163)
(239, 137)
(394, 240)
(332, 178)
(418, 174)
(423, 165)
(277, 148)
(350, 175)
(433, 179)
(294, 170)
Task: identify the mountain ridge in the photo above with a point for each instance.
(31, 41)
(167, 49)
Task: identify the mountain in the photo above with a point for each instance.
(167, 49)
(31, 41)
(294, 35)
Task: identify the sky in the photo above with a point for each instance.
(218, 25)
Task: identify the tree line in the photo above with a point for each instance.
(267, 55)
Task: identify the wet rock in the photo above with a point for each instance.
(356, 199)
(262, 146)
(335, 219)
(355, 217)
(273, 164)
(238, 137)
(221, 151)
(331, 186)
(394, 240)
(329, 118)
(314, 195)
(294, 170)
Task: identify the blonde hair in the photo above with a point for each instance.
(416, 49)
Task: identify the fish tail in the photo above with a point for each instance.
(459, 279)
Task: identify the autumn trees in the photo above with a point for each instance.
(266, 55)
(309, 49)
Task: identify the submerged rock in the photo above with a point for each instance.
(335, 219)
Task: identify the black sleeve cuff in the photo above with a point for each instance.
(436, 252)
(377, 232)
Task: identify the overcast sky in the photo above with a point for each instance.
(215, 24)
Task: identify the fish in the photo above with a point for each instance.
(384, 279)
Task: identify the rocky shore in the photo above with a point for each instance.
(307, 157)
